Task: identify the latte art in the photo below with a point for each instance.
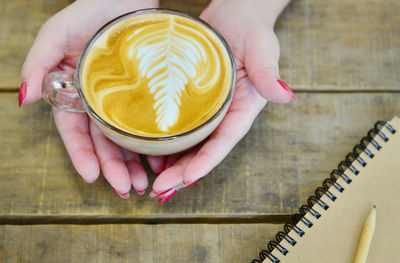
(168, 59)
(157, 75)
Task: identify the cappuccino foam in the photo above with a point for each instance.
(157, 75)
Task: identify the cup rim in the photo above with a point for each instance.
(105, 27)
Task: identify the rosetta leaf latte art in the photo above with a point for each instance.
(168, 59)
(157, 75)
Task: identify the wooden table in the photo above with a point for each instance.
(341, 57)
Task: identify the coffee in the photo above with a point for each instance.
(157, 75)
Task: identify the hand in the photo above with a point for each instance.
(58, 46)
(248, 28)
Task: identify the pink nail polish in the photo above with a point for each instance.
(191, 183)
(163, 192)
(22, 93)
(165, 199)
(286, 87)
(124, 196)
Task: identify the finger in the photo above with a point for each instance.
(160, 163)
(261, 62)
(74, 131)
(172, 178)
(246, 104)
(156, 163)
(44, 55)
(172, 159)
(137, 174)
(112, 162)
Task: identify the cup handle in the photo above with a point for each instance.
(59, 91)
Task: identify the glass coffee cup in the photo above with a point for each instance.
(65, 89)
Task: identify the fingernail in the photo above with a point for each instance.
(166, 198)
(189, 184)
(154, 194)
(86, 181)
(138, 192)
(286, 87)
(22, 93)
(124, 196)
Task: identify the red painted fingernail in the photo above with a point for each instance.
(86, 181)
(286, 87)
(124, 196)
(22, 93)
(163, 192)
(138, 192)
(192, 183)
(165, 199)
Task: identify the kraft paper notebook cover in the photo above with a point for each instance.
(328, 228)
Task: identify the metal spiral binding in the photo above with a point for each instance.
(320, 191)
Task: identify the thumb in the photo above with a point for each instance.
(261, 62)
(43, 57)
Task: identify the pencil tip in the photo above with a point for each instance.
(374, 206)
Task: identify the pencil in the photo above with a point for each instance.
(367, 233)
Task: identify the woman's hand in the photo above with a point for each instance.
(58, 46)
(248, 28)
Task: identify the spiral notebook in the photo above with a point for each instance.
(328, 227)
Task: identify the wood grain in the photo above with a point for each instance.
(272, 171)
(133, 243)
(340, 45)
(19, 22)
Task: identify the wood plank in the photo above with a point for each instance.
(340, 45)
(19, 23)
(272, 171)
(133, 243)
